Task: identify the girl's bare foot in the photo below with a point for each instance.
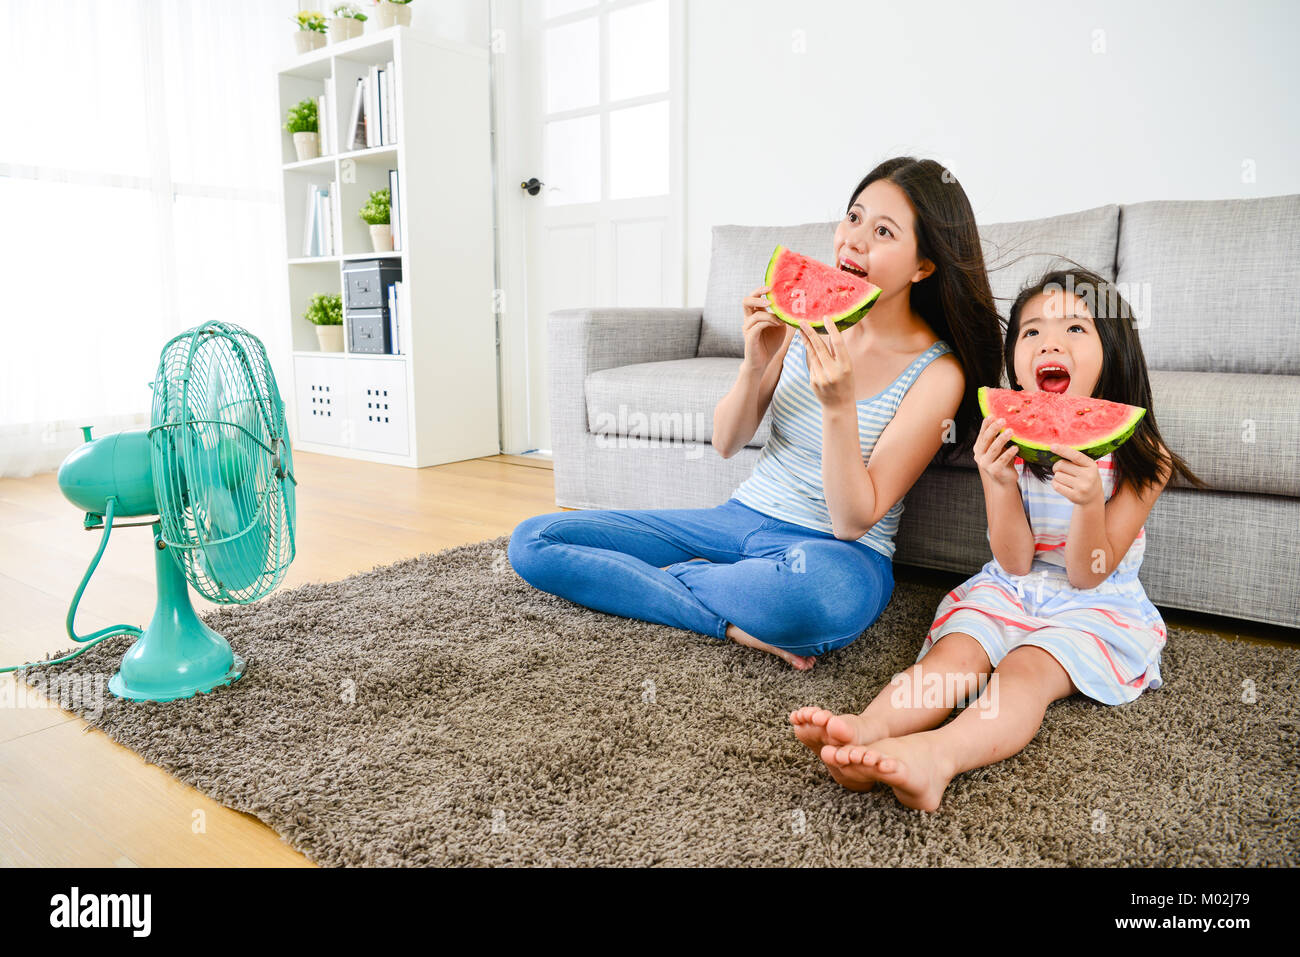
(810, 726)
(817, 727)
(820, 730)
(910, 765)
(799, 662)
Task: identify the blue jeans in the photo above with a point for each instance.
(793, 587)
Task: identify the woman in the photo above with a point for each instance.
(856, 418)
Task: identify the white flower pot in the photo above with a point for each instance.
(307, 145)
(392, 14)
(307, 40)
(330, 337)
(381, 237)
(343, 28)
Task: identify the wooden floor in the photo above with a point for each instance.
(69, 796)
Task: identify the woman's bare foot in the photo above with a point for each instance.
(817, 727)
(799, 662)
(910, 765)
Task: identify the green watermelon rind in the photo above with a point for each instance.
(1038, 454)
(842, 320)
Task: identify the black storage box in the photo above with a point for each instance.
(366, 282)
(365, 303)
(368, 330)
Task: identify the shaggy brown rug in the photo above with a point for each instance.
(442, 711)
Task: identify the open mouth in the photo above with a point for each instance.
(851, 269)
(1053, 378)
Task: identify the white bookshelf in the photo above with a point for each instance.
(437, 402)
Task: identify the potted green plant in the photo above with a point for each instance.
(311, 31)
(393, 12)
(302, 122)
(375, 212)
(326, 314)
(346, 23)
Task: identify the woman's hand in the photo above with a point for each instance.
(1076, 476)
(764, 332)
(995, 453)
(830, 370)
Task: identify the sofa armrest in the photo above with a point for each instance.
(589, 340)
(582, 341)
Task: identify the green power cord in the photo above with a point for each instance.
(96, 637)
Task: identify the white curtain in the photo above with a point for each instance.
(139, 197)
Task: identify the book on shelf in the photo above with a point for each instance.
(392, 319)
(385, 133)
(396, 314)
(325, 119)
(372, 120)
(357, 126)
(336, 208)
(374, 116)
(394, 210)
(327, 223)
(309, 222)
(318, 232)
(378, 123)
(403, 310)
(390, 106)
(380, 138)
(322, 127)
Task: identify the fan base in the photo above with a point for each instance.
(117, 685)
(177, 656)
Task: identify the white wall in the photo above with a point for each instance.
(465, 20)
(1009, 95)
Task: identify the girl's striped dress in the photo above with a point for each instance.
(1108, 638)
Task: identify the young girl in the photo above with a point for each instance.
(1059, 609)
(856, 418)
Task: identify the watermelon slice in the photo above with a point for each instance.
(803, 288)
(1039, 419)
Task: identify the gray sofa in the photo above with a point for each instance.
(1215, 286)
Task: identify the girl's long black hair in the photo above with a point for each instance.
(1123, 374)
(956, 299)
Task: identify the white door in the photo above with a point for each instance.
(590, 105)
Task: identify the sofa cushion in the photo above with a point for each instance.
(664, 400)
(737, 266)
(1016, 254)
(1213, 282)
(1237, 432)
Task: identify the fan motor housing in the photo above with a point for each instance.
(116, 465)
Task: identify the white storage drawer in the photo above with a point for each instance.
(377, 405)
(321, 391)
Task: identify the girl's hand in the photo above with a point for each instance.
(764, 332)
(995, 453)
(1076, 476)
(830, 370)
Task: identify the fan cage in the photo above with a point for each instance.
(222, 463)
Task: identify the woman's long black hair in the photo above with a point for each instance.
(956, 299)
(1123, 374)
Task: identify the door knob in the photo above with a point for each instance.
(534, 186)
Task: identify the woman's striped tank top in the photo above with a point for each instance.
(787, 479)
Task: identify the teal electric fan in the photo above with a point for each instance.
(216, 467)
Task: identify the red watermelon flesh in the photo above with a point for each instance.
(803, 288)
(1040, 419)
